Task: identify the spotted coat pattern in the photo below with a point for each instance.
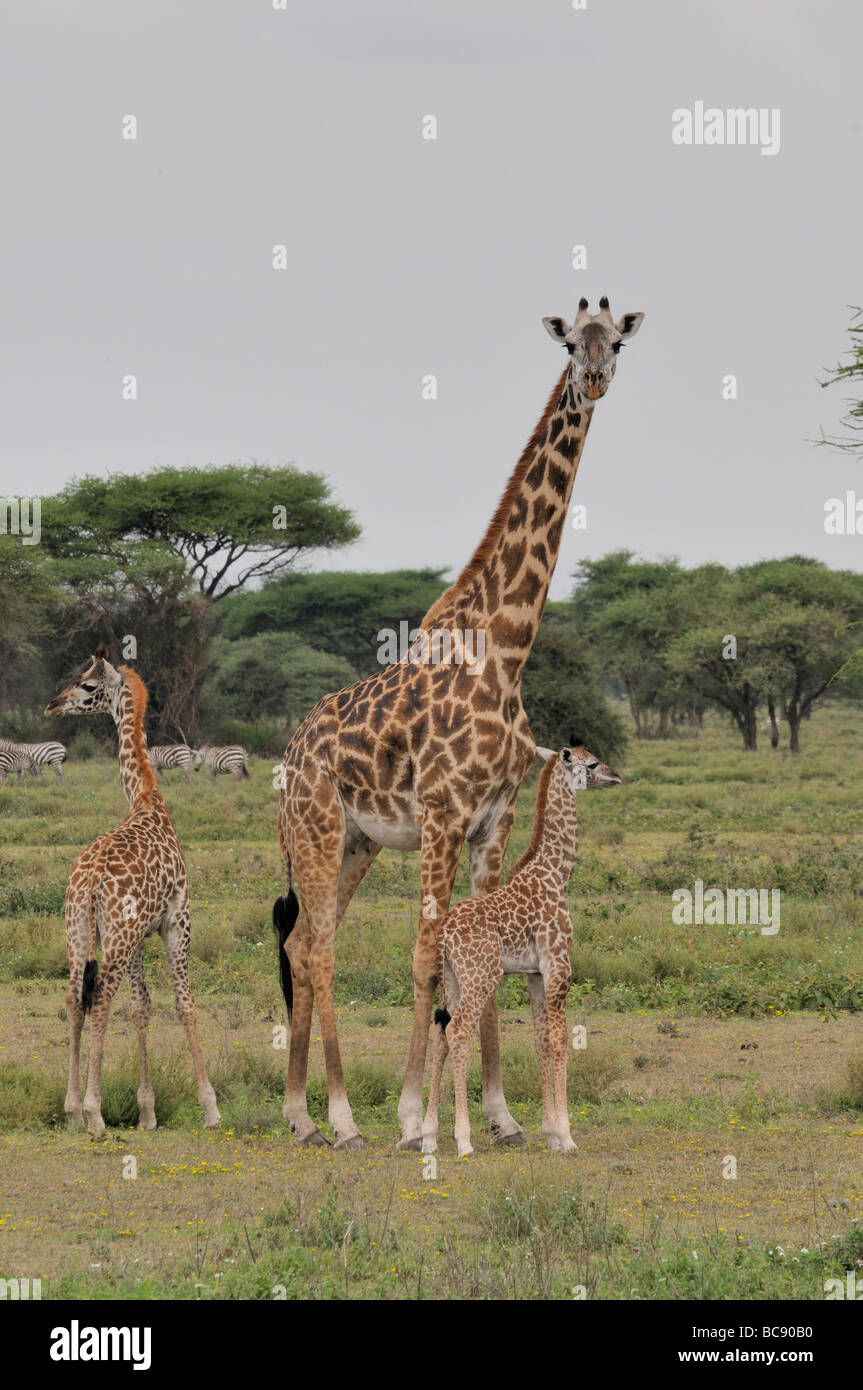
(128, 884)
(522, 927)
(430, 757)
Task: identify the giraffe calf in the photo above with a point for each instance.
(522, 927)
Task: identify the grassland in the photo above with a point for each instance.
(704, 1044)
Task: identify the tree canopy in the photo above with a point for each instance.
(230, 526)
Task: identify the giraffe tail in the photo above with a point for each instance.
(89, 979)
(286, 910)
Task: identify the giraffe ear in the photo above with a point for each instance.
(544, 753)
(629, 325)
(557, 329)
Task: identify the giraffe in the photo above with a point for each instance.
(129, 883)
(429, 754)
(525, 926)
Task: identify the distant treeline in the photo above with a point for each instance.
(199, 568)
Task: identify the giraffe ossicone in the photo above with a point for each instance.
(430, 756)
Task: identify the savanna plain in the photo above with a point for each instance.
(717, 1105)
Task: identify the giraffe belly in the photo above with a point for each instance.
(392, 834)
(519, 958)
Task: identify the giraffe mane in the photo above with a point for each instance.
(138, 690)
(539, 814)
(484, 550)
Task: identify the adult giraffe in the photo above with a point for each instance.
(427, 755)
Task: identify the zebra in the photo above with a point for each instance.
(14, 758)
(231, 759)
(43, 754)
(167, 755)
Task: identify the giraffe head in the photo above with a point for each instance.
(93, 691)
(593, 342)
(581, 769)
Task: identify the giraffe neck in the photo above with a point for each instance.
(136, 773)
(504, 587)
(553, 847)
(558, 848)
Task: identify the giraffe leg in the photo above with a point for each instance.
(486, 862)
(536, 989)
(295, 1109)
(176, 936)
(141, 1010)
(460, 1030)
(449, 999)
(111, 971)
(556, 990)
(77, 938)
(441, 846)
(75, 1020)
(322, 972)
(355, 864)
(318, 866)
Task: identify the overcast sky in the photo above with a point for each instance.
(409, 257)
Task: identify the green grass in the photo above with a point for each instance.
(662, 1092)
(689, 808)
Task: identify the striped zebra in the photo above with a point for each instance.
(168, 755)
(231, 759)
(46, 754)
(13, 758)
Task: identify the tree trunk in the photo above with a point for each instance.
(774, 727)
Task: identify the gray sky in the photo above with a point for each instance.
(408, 256)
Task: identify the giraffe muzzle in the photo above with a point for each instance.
(594, 385)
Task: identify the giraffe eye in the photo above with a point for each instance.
(615, 348)
(89, 688)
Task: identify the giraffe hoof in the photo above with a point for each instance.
(353, 1141)
(516, 1140)
(410, 1145)
(148, 1123)
(314, 1140)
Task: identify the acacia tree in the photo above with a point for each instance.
(727, 660)
(150, 556)
(806, 649)
(807, 630)
(230, 526)
(28, 595)
(634, 612)
(843, 373)
(148, 598)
